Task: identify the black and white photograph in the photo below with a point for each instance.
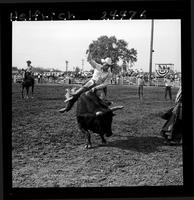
(96, 103)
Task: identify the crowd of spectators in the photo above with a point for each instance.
(127, 78)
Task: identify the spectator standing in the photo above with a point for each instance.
(41, 76)
(168, 85)
(140, 83)
(117, 80)
(38, 78)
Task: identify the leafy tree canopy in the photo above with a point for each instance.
(116, 49)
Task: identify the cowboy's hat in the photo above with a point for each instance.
(28, 61)
(107, 61)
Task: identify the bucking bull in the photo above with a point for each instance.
(94, 115)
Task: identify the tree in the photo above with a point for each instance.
(117, 50)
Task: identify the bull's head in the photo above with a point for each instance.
(106, 119)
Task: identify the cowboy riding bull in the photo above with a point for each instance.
(94, 115)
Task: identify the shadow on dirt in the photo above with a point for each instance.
(140, 144)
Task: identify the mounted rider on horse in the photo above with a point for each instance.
(28, 79)
(28, 74)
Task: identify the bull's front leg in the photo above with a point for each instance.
(102, 138)
(88, 142)
(88, 138)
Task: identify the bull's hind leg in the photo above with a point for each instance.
(103, 140)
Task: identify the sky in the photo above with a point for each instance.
(49, 44)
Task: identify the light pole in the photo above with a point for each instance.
(151, 50)
(82, 65)
(66, 65)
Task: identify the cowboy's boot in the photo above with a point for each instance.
(68, 106)
(76, 94)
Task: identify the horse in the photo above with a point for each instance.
(27, 82)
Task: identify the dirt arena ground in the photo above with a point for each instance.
(47, 148)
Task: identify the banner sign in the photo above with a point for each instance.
(163, 70)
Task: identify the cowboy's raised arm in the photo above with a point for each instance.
(93, 63)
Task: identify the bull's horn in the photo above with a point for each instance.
(116, 108)
(99, 113)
